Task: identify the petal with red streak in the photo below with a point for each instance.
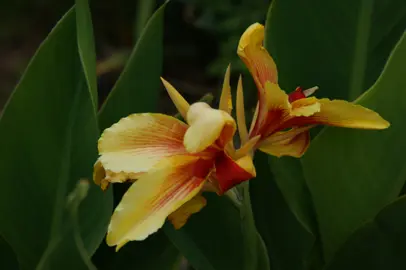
(136, 143)
(279, 109)
(230, 173)
(261, 66)
(158, 193)
(255, 56)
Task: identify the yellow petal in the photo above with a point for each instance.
(256, 58)
(342, 113)
(283, 136)
(242, 126)
(226, 103)
(247, 165)
(287, 145)
(180, 103)
(247, 148)
(136, 143)
(103, 177)
(305, 107)
(207, 125)
(277, 98)
(278, 109)
(254, 120)
(181, 216)
(148, 202)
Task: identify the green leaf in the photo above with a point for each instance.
(378, 244)
(67, 249)
(288, 175)
(86, 47)
(156, 252)
(8, 258)
(214, 238)
(49, 129)
(211, 239)
(325, 43)
(352, 174)
(342, 50)
(134, 254)
(289, 243)
(138, 87)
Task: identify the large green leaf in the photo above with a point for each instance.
(214, 238)
(66, 249)
(379, 244)
(86, 47)
(49, 122)
(340, 46)
(288, 175)
(289, 243)
(352, 174)
(340, 49)
(133, 255)
(8, 257)
(137, 88)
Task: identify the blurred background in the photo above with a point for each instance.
(201, 38)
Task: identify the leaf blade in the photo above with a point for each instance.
(33, 192)
(368, 174)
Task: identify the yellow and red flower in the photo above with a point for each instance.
(283, 121)
(171, 163)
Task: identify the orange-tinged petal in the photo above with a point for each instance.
(230, 173)
(158, 193)
(261, 66)
(137, 142)
(226, 103)
(341, 113)
(180, 103)
(255, 56)
(278, 109)
(284, 144)
(242, 125)
(207, 126)
(181, 216)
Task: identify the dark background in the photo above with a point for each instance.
(201, 38)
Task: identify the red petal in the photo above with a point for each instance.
(297, 94)
(229, 173)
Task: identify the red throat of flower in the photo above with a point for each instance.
(297, 94)
(228, 173)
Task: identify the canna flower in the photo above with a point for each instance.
(170, 163)
(283, 120)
